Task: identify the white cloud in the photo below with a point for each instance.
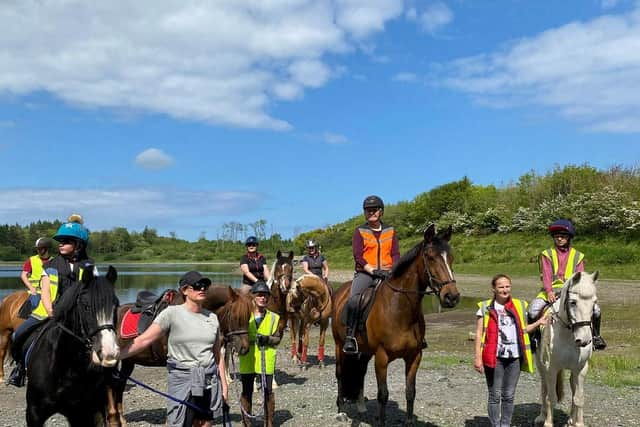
(609, 4)
(129, 207)
(586, 71)
(154, 159)
(220, 62)
(435, 16)
(334, 138)
(405, 77)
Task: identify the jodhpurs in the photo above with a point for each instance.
(502, 381)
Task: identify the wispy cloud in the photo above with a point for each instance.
(405, 77)
(433, 18)
(222, 62)
(609, 4)
(154, 159)
(130, 207)
(586, 71)
(334, 138)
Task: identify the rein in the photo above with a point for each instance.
(85, 340)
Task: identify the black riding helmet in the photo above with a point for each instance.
(373, 202)
(260, 288)
(251, 240)
(562, 226)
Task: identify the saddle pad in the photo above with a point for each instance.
(129, 327)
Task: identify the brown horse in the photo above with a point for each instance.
(9, 322)
(233, 310)
(311, 301)
(395, 325)
(280, 284)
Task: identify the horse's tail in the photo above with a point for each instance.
(559, 385)
(353, 371)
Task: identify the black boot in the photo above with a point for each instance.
(350, 343)
(534, 337)
(598, 342)
(17, 376)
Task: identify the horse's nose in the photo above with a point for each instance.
(451, 300)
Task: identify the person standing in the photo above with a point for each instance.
(196, 370)
(253, 265)
(34, 267)
(375, 251)
(557, 264)
(502, 347)
(314, 262)
(261, 358)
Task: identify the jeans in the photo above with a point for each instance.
(502, 381)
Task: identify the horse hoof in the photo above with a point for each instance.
(321, 364)
(342, 417)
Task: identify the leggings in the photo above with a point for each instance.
(247, 385)
(502, 381)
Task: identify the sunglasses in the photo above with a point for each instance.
(252, 245)
(262, 295)
(200, 286)
(66, 241)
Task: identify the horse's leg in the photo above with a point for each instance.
(5, 342)
(306, 326)
(323, 332)
(382, 363)
(551, 398)
(294, 339)
(36, 416)
(342, 416)
(577, 393)
(411, 365)
(126, 369)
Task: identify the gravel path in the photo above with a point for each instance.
(448, 394)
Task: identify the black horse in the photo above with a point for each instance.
(66, 368)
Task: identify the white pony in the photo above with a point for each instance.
(566, 344)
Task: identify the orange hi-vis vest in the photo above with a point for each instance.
(377, 252)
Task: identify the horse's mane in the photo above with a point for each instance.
(407, 259)
(99, 292)
(239, 309)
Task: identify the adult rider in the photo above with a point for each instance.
(375, 251)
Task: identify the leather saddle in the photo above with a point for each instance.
(364, 308)
(147, 306)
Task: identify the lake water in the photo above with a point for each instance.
(132, 278)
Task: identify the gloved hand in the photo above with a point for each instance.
(381, 274)
(262, 340)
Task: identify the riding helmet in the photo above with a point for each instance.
(373, 202)
(44, 242)
(73, 229)
(312, 243)
(260, 288)
(562, 226)
(251, 240)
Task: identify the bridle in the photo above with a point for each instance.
(277, 279)
(571, 322)
(228, 335)
(85, 337)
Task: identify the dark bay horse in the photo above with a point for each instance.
(9, 322)
(67, 367)
(395, 325)
(233, 310)
(280, 283)
(311, 302)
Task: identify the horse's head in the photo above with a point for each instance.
(576, 305)
(296, 296)
(89, 315)
(234, 320)
(436, 263)
(283, 271)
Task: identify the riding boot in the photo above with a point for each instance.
(350, 343)
(534, 336)
(271, 410)
(424, 344)
(17, 376)
(245, 411)
(598, 342)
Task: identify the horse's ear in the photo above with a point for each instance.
(279, 253)
(576, 277)
(595, 275)
(112, 274)
(446, 234)
(290, 255)
(430, 233)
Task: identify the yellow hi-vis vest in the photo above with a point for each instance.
(39, 312)
(37, 267)
(526, 359)
(251, 363)
(575, 258)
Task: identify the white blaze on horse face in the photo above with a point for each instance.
(109, 349)
(444, 257)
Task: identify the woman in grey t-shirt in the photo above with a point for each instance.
(196, 370)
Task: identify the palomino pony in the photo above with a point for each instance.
(566, 344)
(66, 366)
(9, 322)
(311, 301)
(395, 325)
(233, 310)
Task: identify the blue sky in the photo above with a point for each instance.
(183, 116)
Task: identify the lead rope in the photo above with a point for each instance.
(235, 377)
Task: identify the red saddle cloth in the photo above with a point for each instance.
(129, 327)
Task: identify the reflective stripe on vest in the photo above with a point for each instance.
(40, 312)
(251, 363)
(526, 358)
(377, 252)
(37, 267)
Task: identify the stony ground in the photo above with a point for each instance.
(448, 394)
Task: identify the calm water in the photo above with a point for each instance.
(134, 278)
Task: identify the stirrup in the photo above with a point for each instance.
(599, 343)
(353, 349)
(17, 376)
